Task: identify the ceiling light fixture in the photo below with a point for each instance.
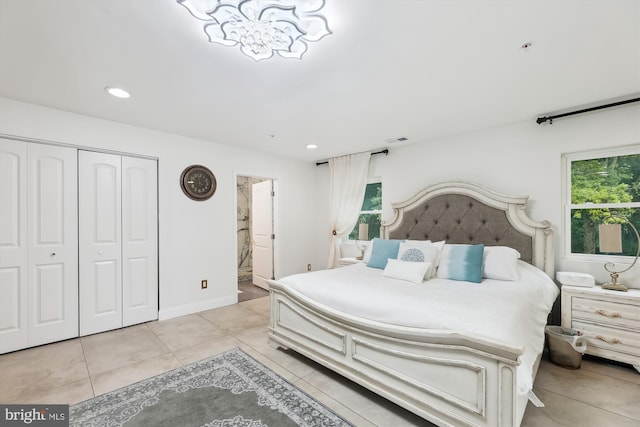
(117, 92)
(312, 146)
(261, 27)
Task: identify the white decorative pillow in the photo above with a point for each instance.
(410, 271)
(500, 263)
(422, 251)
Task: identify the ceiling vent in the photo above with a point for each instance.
(396, 140)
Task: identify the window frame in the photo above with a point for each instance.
(567, 206)
(361, 212)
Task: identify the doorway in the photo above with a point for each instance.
(255, 236)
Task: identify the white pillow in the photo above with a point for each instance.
(500, 263)
(406, 270)
(422, 251)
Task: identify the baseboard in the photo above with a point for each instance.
(183, 310)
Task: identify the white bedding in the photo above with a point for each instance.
(512, 312)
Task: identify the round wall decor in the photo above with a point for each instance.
(198, 182)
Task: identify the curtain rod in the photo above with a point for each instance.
(541, 120)
(384, 151)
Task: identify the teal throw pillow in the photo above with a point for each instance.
(461, 262)
(383, 250)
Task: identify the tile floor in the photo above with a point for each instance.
(599, 394)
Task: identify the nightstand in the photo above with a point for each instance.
(348, 261)
(610, 321)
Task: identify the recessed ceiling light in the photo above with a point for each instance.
(312, 146)
(117, 92)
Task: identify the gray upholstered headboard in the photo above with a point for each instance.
(461, 212)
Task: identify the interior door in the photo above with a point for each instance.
(139, 240)
(262, 232)
(52, 243)
(100, 240)
(13, 245)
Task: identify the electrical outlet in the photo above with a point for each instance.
(308, 267)
(203, 284)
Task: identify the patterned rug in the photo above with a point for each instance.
(230, 389)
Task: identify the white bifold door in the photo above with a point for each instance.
(38, 244)
(118, 239)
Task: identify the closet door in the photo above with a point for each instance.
(13, 245)
(38, 244)
(100, 242)
(139, 240)
(52, 243)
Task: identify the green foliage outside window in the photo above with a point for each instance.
(371, 212)
(601, 188)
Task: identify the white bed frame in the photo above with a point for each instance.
(447, 377)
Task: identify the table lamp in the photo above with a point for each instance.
(610, 237)
(363, 234)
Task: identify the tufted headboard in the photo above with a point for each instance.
(462, 212)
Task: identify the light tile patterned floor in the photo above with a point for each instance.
(599, 394)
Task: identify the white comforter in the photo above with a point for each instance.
(512, 312)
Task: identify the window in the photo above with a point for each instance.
(601, 184)
(371, 212)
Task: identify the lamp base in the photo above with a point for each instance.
(615, 287)
(362, 249)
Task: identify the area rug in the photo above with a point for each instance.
(230, 389)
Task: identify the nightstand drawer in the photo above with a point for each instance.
(609, 338)
(606, 313)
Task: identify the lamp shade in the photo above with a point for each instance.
(610, 238)
(363, 232)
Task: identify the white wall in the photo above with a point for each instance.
(520, 159)
(197, 239)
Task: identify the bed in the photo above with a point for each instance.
(454, 352)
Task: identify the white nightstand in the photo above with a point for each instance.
(348, 261)
(610, 321)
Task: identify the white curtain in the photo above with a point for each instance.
(347, 187)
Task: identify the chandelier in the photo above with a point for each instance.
(262, 27)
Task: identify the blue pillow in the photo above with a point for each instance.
(383, 250)
(461, 262)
